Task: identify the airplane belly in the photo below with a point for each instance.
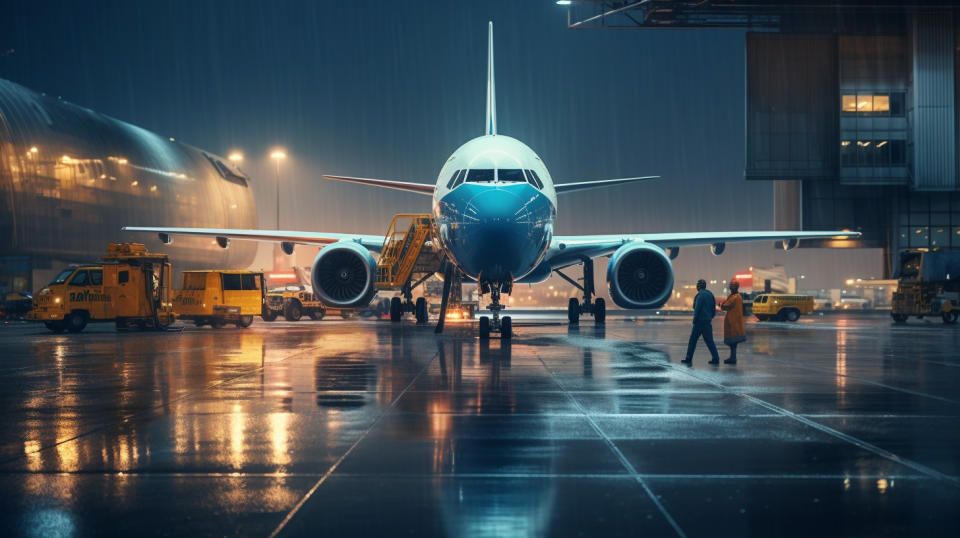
(495, 234)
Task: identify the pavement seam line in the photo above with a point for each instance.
(618, 453)
(862, 380)
(293, 511)
(919, 467)
(151, 409)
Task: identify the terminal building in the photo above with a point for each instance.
(70, 178)
(851, 109)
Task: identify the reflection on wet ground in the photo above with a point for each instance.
(831, 426)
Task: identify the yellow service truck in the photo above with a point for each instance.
(781, 306)
(131, 288)
(292, 302)
(928, 284)
(216, 298)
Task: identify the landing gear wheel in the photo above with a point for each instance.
(396, 309)
(899, 318)
(950, 317)
(199, 322)
(218, 323)
(267, 313)
(484, 328)
(573, 310)
(244, 321)
(317, 315)
(76, 321)
(421, 310)
(791, 315)
(292, 311)
(56, 327)
(506, 328)
(600, 311)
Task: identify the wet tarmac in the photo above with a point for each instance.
(829, 427)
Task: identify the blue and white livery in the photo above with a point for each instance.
(495, 205)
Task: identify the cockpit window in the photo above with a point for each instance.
(534, 179)
(453, 179)
(480, 176)
(510, 175)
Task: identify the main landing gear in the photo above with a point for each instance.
(596, 307)
(399, 307)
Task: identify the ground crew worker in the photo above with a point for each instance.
(704, 308)
(734, 331)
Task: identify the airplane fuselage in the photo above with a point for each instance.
(495, 208)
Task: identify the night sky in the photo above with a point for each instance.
(390, 89)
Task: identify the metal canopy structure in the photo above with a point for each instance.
(747, 14)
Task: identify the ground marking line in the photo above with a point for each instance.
(626, 476)
(151, 409)
(616, 451)
(919, 467)
(859, 379)
(293, 511)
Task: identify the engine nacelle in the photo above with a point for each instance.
(640, 275)
(343, 275)
(717, 248)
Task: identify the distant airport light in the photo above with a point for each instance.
(236, 157)
(278, 154)
(33, 149)
(122, 161)
(135, 183)
(563, 2)
(65, 159)
(281, 276)
(172, 139)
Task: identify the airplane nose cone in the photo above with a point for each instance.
(500, 233)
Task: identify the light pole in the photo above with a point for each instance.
(278, 155)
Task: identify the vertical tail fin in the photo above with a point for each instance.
(491, 127)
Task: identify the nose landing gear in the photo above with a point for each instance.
(503, 325)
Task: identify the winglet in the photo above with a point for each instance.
(491, 128)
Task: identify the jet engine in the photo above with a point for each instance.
(640, 275)
(343, 275)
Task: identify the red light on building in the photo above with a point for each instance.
(743, 276)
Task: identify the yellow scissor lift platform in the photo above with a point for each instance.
(411, 253)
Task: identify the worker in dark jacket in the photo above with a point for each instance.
(704, 308)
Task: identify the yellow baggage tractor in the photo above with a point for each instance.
(220, 297)
(131, 288)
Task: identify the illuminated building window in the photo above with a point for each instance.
(871, 153)
(868, 104)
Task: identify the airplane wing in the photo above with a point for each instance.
(583, 185)
(570, 249)
(419, 188)
(371, 242)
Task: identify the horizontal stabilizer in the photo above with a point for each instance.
(583, 185)
(408, 186)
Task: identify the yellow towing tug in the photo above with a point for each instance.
(130, 288)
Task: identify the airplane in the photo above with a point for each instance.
(495, 206)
